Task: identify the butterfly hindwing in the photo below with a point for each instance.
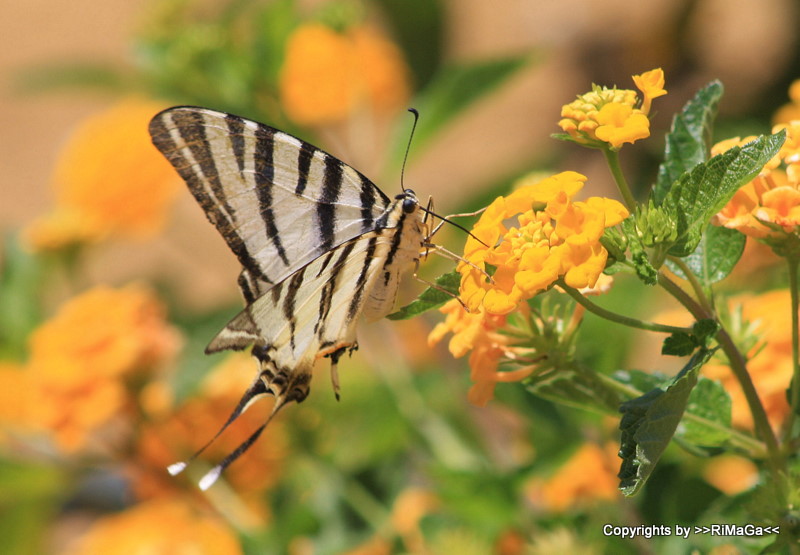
(313, 309)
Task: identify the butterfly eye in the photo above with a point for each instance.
(409, 205)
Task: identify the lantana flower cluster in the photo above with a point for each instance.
(553, 237)
(768, 207)
(613, 116)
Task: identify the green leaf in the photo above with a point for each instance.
(418, 26)
(455, 89)
(649, 422)
(689, 138)
(704, 330)
(682, 344)
(643, 381)
(21, 282)
(275, 22)
(431, 297)
(641, 262)
(31, 495)
(679, 344)
(703, 191)
(715, 257)
(577, 387)
(72, 75)
(712, 405)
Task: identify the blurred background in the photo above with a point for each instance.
(403, 464)
(53, 50)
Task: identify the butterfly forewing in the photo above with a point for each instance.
(279, 202)
(319, 244)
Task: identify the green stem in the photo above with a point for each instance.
(697, 287)
(618, 318)
(612, 158)
(738, 366)
(795, 391)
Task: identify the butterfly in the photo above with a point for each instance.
(318, 242)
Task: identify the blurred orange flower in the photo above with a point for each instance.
(327, 75)
(589, 476)
(14, 391)
(731, 474)
(790, 111)
(768, 207)
(109, 180)
(614, 116)
(162, 526)
(82, 357)
(769, 361)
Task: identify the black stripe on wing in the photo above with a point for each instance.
(265, 177)
(326, 209)
(215, 207)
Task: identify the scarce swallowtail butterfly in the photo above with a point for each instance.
(319, 245)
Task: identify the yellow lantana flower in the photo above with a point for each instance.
(478, 333)
(554, 237)
(651, 83)
(620, 123)
(327, 76)
(109, 180)
(613, 117)
(768, 207)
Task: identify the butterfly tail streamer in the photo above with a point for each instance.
(256, 389)
(211, 476)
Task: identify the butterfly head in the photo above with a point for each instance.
(410, 201)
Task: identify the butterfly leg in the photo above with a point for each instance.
(335, 356)
(335, 380)
(435, 286)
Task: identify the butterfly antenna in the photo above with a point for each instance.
(408, 147)
(451, 222)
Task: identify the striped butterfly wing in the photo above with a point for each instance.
(278, 202)
(320, 245)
